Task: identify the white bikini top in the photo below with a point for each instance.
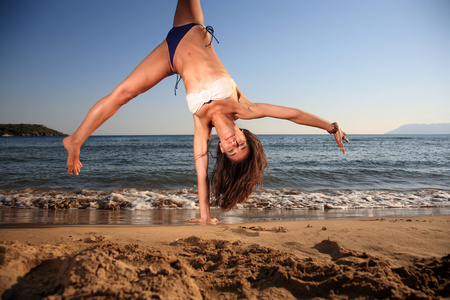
(220, 89)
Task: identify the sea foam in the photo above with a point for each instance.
(132, 199)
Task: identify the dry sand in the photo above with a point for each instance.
(395, 258)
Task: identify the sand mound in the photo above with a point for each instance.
(210, 269)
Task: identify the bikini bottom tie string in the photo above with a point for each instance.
(176, 84)
(210, 29)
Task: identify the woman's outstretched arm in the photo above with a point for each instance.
(201, 139)
(261, 110)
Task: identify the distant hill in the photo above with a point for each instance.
(440, 128)
(27, 130)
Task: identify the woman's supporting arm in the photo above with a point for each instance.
(201, 139)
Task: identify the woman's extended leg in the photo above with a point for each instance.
(188, 11)
(147, 74)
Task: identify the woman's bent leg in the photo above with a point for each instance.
(147, 74)
(188, 11)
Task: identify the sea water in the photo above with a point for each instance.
(146, 177)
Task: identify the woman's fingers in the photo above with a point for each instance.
(202, 221)
(340, 136)
(344, 137)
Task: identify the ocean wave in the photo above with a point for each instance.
(286, 199)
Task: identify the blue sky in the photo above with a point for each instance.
(370, 65)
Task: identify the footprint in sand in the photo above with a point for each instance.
(254, 230)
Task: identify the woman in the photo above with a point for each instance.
(188, 52)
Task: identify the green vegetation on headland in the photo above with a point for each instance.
(27, 130)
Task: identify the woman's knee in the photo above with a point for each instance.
(124, 93)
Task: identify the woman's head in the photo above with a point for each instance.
(233, 143)
(234, 180)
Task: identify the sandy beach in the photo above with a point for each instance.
(395, 258)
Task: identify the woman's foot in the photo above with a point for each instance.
(73, 159)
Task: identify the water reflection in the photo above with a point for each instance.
(181, 216)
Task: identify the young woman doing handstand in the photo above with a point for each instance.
(214, 101)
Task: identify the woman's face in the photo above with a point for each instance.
(234, 144)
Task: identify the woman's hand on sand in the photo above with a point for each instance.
(340, 136)
(73, 162)
(204, 220)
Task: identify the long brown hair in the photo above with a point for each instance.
(232, 182)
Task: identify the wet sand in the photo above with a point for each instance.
(396, 258)
(181, 216)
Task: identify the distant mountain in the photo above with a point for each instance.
(440, 128)
(27, 130)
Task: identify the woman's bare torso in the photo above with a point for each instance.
(199, 67)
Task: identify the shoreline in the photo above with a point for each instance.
(162, 217)
(334, 259)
